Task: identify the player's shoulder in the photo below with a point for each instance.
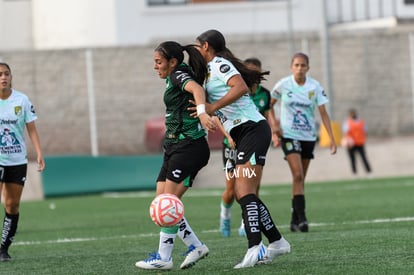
(18, 94)
(221, 64)
(285, 81)
(181, 73)
(312, 81)
(265, 90)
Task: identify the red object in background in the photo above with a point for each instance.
(155, 132)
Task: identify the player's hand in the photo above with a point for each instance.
(275, 140)
(333, 148)
(207, 122)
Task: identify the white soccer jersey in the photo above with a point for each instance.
(15, 112)
(297, 110)
(243, 109)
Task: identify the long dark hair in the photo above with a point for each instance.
(217, 41)
(172, 49)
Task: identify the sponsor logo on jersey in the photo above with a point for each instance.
(236, 121)
(224, 68)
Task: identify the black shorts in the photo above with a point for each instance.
(229, 158)
(252, 142)
(13, 174)
(301, 147)
(183, 160)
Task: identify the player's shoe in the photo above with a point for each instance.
(299, 225)
(154, 262)
(225, 227)
(4, 256)
(252, 257)
(275, 249)
(294, 227)
(303, 226)
(193, 255)
(242, 231)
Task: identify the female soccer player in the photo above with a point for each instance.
(261, 98)
(16, 113)
(299, 94)
(227, 85)
(185, 148)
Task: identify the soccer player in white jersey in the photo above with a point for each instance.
(299, 95)
(227, 89)
(16, 113)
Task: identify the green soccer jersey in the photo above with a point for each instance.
(178, 121)
(261, 99)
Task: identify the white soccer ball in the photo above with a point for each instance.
(166, 210)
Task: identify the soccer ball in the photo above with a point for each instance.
(166, 210)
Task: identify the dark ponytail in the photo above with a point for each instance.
(197, 63)
(172, 49)
(217, 41)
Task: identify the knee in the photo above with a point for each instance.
(12, 207)
(298, 177)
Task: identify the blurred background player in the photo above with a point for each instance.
(354, 130)
(299, 94)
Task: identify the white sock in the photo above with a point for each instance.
(187, 234)
(242, 224)
(166, 245)
(225, 211)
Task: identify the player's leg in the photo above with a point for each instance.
(12, 193)
(14, 179)
(253, 147)
(195, 157)
(162, 258)
(351, 154)
(227, 198)
(364, 158)
(298, 195)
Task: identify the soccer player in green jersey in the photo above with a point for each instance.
(185, 148)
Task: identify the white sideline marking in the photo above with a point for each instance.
(73, 240)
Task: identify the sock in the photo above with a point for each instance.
(225, 210)
(299, 207)
(268, 227)
(251, 217)
(242, 224)
(9, 230)
(166, 244)
(294, 217)
(187, 234)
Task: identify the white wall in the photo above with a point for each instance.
(79, 23)
(61, 24)
(15, 25)
(74, 23)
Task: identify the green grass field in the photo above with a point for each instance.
(356, 227)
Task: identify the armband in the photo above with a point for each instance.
(201, 108)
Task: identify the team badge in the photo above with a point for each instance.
(311, 94)
(18, 110)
